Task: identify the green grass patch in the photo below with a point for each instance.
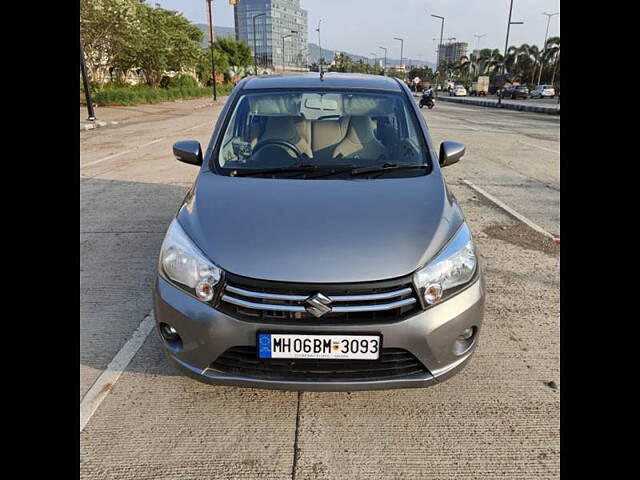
(142, 94)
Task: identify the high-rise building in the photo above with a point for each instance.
(279, 19)
(453, 51)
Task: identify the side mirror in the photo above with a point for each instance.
(188, 151)
(450, 153)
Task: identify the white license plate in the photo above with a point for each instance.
(330, 347)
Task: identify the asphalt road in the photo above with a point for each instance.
(499, 418)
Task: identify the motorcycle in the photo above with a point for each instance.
(428, 100)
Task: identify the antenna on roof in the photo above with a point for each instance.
(320, 45)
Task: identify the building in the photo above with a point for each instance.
(453, 51)
(274, 19)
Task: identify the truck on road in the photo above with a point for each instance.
(480, 86)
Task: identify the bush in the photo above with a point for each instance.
(183, 80)
(144, 94)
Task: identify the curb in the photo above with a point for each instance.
(508, 106)
(95, 124)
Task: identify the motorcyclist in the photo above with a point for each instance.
(428, 91)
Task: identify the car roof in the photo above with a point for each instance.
(331, 80)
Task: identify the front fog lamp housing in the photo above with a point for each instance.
(455, 265)
(183, 263)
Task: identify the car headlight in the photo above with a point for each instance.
(183, 263)
(455, 265)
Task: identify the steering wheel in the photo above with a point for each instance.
(282, 144)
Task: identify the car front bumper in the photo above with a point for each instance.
(429, 335)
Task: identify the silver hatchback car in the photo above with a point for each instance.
(319, 247)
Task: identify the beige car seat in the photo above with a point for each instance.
(326, 134)
(360, 141)
(294, 130)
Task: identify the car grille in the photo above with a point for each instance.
(394, 362)
(279, 302)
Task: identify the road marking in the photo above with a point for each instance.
(107, 379)
(511, 211)
(120, 153)
(537, 146)
(115, 155)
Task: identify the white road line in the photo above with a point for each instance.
(107, 379)
(110, 157)
(121, 153)
(510, 210)
(537, 146)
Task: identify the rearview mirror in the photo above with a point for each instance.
(188, 151)
(450, 153)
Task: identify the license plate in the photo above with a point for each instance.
(329, 347)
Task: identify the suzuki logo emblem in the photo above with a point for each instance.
(318, 304)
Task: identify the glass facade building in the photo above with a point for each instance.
(279, 19)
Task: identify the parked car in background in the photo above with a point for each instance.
(458, 91)
(516, 91)
(542, 91)
(319, 247)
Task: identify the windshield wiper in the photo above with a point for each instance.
(386, 166)
(296, 167)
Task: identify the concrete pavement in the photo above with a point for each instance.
(117, 114)
(497, 419)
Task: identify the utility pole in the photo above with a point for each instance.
(211, 40)
(506, 43)
(544, 45)
(85, 81)
(255, 34)
(439, 48)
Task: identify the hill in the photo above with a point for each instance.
(217, 32)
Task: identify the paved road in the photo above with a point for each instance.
(512, 155)
(496, 419)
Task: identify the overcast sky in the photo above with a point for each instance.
(361, 26)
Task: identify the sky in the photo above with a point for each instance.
(362, 26)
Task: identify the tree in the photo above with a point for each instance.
(108, 30)
(238, 54)
(203, 65)
(119, 35)
(165, 41)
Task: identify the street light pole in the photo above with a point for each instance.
(255, 49)
(478, 37)
(385, 59)
(439, 48)
(85, 81)
(544, 45)
(401, 47)
(506, 43)
(284, 61)
(555, 67)
(213, 62)
(320, 44)
(375, 58)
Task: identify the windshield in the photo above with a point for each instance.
(321, 129)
